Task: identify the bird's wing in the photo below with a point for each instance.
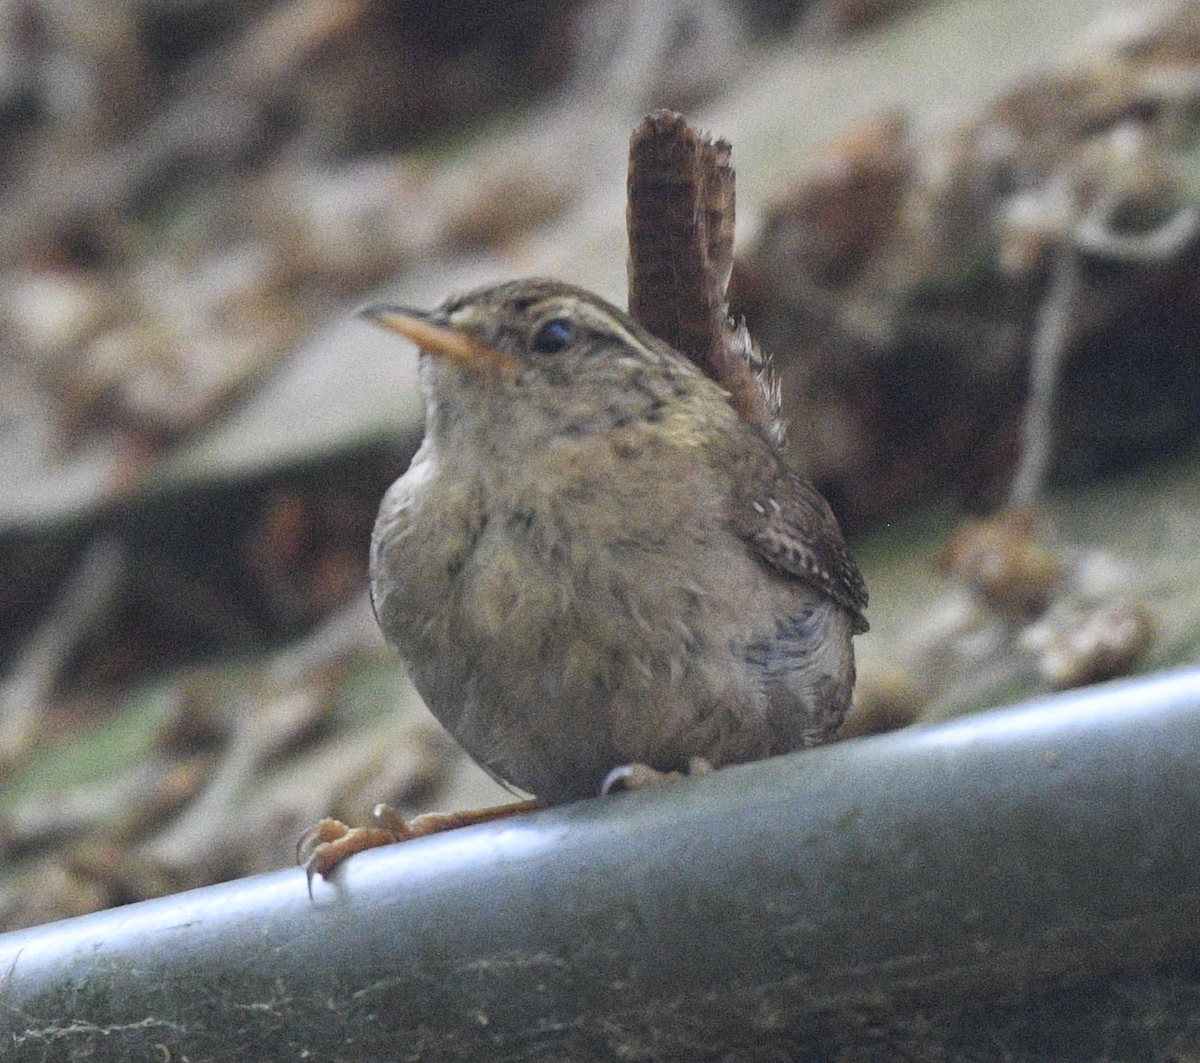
(789, 525)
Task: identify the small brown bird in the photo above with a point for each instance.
(594, 562)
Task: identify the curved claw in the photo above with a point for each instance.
(635, 777)
(321, 848)
(640, 776)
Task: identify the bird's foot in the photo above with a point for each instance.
(331, 841)
(641, 776)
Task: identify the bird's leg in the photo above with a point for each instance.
(331, 841)
(641, 776)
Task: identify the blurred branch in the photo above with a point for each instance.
(220, 118)
(1056, 314)
(87, 593)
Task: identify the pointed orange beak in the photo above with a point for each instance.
(442, 341)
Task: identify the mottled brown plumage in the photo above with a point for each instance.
(593, 560)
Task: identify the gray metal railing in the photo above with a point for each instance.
(1021, 884)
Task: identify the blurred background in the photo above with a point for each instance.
(968, 237)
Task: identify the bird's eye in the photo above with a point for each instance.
(555, 335)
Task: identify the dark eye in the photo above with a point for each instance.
(554, 336)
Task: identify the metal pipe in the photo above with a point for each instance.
(1023, 881)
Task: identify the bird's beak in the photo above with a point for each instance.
(442, 341)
